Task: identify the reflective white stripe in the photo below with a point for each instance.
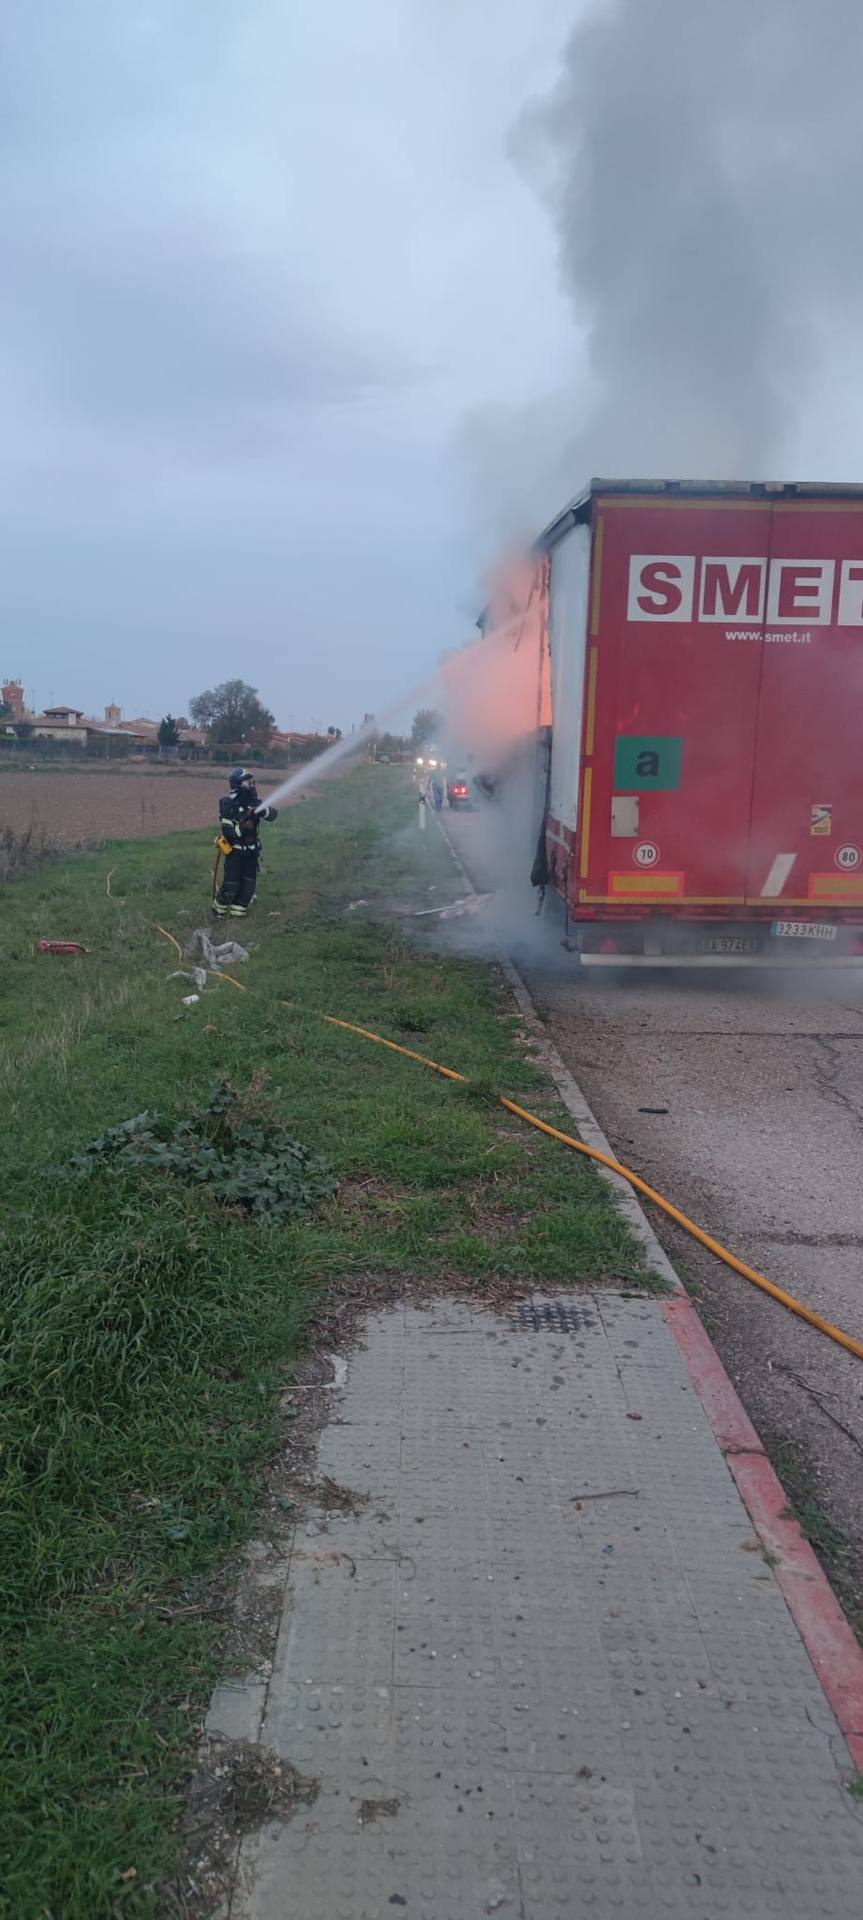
(778, 876)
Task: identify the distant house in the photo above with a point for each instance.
(70, 726)
(101, 730)
(59, 720)
(297, 746)
(286, 741)
(146, 731)
(57, 723)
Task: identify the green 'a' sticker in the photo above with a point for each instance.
(647, 763)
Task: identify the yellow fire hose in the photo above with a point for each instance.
(223, 848)
(634, 1180)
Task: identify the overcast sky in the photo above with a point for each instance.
(300, 304)
(259, 260)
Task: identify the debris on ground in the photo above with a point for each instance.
(469, 903)
(213, 955)
(198, 976)
(253, 1784)
(334, 1498)
(472, 903)
(316, 1384)
(377, 1810)
(354, 904)
(60, 946)
(229, 953)
(236, 1790)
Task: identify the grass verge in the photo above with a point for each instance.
(148, 1327)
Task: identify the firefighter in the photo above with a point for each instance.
(240, 815)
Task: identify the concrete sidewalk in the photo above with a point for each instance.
(546, 1669)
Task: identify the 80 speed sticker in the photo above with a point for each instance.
(848, 858)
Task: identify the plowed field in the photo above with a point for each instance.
(84, 805)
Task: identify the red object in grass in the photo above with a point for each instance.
(60, 946)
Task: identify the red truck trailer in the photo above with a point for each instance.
(703, 782)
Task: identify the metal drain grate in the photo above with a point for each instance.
(552, 1316)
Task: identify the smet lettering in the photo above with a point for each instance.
(745, 590)
(662, 593)
(732, 589)
(661, 586)
(799, 590)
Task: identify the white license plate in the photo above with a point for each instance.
(730, 943)
(802, 930)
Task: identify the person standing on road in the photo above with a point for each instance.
(240, 816)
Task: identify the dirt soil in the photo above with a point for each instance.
(86, 804)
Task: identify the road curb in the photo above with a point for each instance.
(832, 1647)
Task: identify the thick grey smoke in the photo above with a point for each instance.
(704, 163)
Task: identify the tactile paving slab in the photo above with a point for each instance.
(544, 1669)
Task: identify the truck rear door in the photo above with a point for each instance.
(678, 597)
(806, 831)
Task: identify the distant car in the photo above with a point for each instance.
(458, 791)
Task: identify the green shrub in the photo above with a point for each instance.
(235, 1144)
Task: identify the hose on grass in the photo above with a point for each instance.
(168, 936)
(633, 1180)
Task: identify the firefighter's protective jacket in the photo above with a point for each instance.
(240, 821)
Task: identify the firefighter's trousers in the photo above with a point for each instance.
(239, 883)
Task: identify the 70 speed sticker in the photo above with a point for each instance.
(645, 854)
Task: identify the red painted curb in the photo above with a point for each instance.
(731, 1425)
(832, 1647)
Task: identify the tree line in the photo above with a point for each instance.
(231, 715)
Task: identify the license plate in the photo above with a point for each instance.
(802, 930)
(730, 943)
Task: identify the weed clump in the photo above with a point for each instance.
(19, 851)
(235, 1144)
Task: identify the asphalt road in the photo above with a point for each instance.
(741, 1098)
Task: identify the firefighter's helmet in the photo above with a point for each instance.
(238, 778)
